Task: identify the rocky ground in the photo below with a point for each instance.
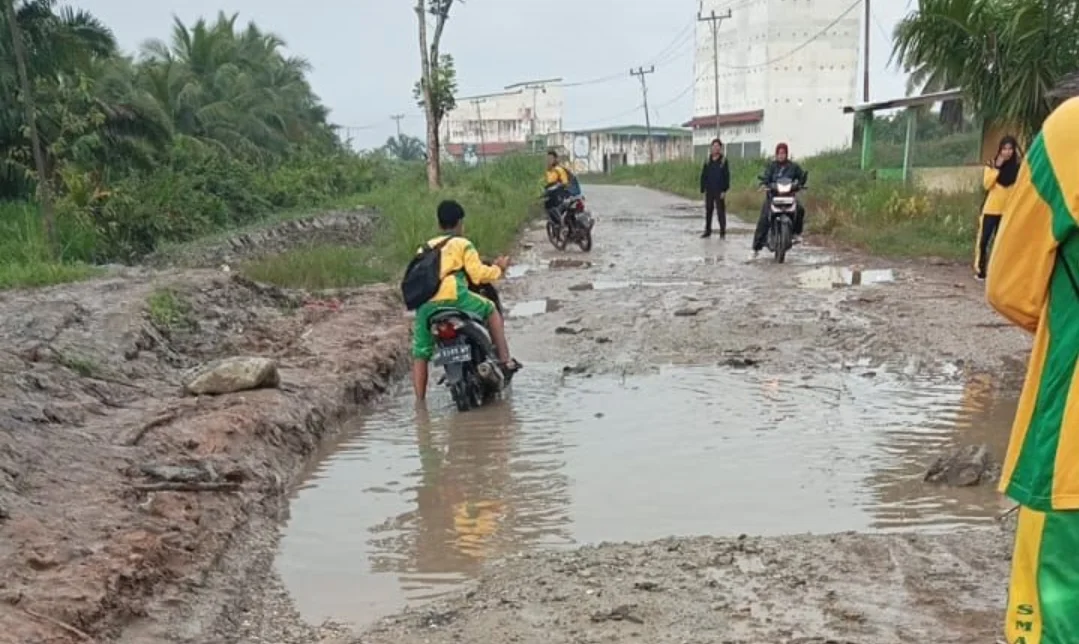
(131, 512)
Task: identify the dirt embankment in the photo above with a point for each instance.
(100, 531)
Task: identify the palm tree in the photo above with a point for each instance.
(405, 148)
(234, 90)
(1004, 54)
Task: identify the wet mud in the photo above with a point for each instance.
(672, 387)
(675, 387)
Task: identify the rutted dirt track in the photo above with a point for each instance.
(92, 402)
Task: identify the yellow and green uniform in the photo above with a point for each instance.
(556, 175)
(1029, 284)
(996, 200)
(460, 263)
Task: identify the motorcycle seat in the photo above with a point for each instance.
(441, 315)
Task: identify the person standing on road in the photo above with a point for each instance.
(1033, 281)
(999, 178)
(715, 182)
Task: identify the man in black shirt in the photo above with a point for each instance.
(715, 182)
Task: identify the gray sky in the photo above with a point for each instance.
(366, 57)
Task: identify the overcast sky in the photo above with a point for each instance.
(366, 58)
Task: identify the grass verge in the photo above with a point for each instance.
(882, 217)
(498, 198)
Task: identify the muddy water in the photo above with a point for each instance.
(410, 505)
(629, 447)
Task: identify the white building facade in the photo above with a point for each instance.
(491, 125)
(601, 151)
(786, 69)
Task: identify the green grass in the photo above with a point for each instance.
(24, 257)
(169, 310)
(883, 217)
(498, 199)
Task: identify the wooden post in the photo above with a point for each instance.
(908, 145)
(867, 140)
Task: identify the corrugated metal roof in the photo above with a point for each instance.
(908, 101)
(734, 118)
(635, 130)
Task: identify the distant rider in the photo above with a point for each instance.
(782, 167)
(461, 265)
(559, 185)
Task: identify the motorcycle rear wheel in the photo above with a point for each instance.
(461, 396)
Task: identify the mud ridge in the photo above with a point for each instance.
(346, 227)
(118, 494)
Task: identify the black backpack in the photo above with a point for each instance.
(423, 277)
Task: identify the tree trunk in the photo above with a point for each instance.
(44, 193)
(434, 170)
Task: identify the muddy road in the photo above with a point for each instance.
(675, 388)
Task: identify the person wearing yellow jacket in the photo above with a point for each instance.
(1033, 282)
(999, 182)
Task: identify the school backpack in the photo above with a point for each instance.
(423, 277)
(574, 186)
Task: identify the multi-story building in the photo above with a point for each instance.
(786, 70)
(491, 125)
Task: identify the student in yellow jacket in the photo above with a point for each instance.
(999, 181)
(1033, 282)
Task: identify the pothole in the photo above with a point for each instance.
(827, 277)
(533, 308)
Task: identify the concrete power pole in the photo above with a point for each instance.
(535, 87)
(715, 19)
(640, 72)
(865, 64)
(398, 117)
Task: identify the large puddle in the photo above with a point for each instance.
(410, 505)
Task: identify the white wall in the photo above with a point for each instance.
(807, 90)
(506, 117)
(635, 148)
(801, 93)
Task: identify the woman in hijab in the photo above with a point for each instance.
(999, 177)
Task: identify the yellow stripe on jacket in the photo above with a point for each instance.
(460, 255)
(1028, 284)
(997, 198)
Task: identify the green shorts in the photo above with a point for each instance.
(1043, 598)
(423, 343)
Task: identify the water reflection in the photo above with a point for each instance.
(411, 505)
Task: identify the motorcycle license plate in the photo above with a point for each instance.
(453, 353)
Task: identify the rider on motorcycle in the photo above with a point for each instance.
(781, 168)
(461, 265)
(558, 186)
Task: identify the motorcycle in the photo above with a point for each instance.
(464, 349)
(569, 221)
(782, 209)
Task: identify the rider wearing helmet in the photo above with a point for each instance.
(780, 168)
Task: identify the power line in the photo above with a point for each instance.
(680, 39)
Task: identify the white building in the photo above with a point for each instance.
(601, 150)
(786, 69)
(491, 125)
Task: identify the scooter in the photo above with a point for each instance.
(782, 209)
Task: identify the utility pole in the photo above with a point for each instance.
(535, 87)
(715, 19)
(398, 117)
(865, 64)
(640, 72)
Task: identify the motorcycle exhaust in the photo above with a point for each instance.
(490, 374)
